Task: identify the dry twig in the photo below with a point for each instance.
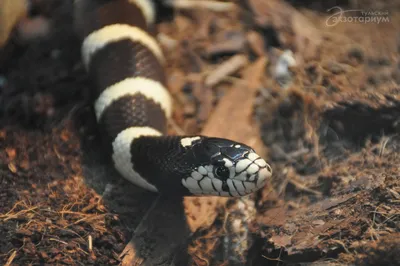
(210, 5)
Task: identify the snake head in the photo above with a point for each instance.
(225, 168)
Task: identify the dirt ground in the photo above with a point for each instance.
(330, 134)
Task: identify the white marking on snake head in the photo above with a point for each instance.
(242, 164)
(251, 174)
(191, 184)
(217, 184)
(253, 156)
(234, 190)
(242, 176)
(261, 163)
(228, 163)
(185, 142)
(239, 186)
(252, 177)
(230, 185)
(209, 168)
(206, 185)
(252, 169)
(202, 170)
(196, 175)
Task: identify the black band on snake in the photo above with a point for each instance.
(126, 66)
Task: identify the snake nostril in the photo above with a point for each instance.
(269, 168)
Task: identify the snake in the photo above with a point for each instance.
(125, 65)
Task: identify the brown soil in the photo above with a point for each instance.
(331, 139)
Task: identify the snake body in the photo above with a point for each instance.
(125, 64)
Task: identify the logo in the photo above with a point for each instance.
(355, 16)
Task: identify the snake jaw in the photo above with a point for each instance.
(251, 178)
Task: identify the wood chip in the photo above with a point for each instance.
(230, 43)
(202, 211)
(256, 43)
(205, 96)
(12, 168)
(293, 28)
(90, 243)
(204, 21)
(11, 153)
(11, 11)
(176, 81)
(225, 69)
(166, 41)
(280, 241)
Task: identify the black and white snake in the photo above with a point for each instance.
(132, 105)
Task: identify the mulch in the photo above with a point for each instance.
(330, 135)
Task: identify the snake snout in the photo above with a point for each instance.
(251, 175)
(263, 175)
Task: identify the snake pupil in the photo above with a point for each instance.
(222, 172)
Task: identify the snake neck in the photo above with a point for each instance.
(163, 161)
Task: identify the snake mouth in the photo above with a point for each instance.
(238, 187)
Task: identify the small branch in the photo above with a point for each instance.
(206, 4)
(11, 258)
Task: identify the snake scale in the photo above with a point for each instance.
(125, 65)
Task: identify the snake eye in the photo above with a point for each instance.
(222, 172)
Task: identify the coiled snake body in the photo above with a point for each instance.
(126, 66)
